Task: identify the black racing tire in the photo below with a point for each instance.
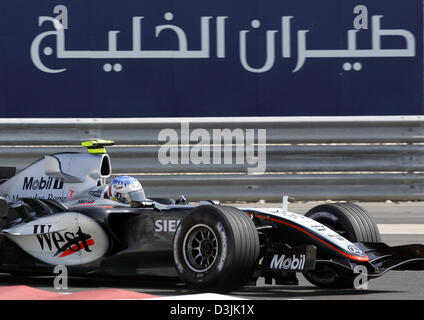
(216, 248)
(353, 223)
(349, 220)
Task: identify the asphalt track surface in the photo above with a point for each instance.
(400, 223)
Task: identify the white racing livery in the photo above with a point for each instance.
(61, 177)
(63, 239)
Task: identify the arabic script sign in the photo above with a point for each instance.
(137, 52)
(188, 58)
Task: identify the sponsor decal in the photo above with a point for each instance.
(223, 255)
(16, 198)
(86, 202)
(318, 227)
(354, 249)
(280, 262)
(65, 243)
(71, 193)
(31, 183)
(166, 225)
(53, 197)
(12, 198)
(95, 193)
(337, 236)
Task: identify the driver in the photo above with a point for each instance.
(125, 189)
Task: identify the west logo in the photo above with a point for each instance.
(65, 244)
(283, 263)
(42, 184)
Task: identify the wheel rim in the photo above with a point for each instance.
(200, 248)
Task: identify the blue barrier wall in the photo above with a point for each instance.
(210, 58)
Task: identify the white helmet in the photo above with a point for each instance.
(126, 189)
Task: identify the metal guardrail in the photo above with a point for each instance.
(337, 158)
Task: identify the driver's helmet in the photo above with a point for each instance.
(126, 189)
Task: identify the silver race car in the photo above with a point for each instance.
(61, 210)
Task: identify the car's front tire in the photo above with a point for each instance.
(353, 223)
(216, 248)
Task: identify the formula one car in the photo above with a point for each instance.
(57, 212)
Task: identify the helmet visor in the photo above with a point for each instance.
(137, 195)
(123, 197)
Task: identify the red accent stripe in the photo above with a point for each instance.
(352, 257)
(76, 248)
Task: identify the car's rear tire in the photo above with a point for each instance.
(353, 223)
(216, 248)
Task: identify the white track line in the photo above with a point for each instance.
(199, 296)
(401, 228)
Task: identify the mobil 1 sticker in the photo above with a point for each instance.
(290, 259)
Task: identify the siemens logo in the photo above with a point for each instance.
(42, 184)
(166, 225)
